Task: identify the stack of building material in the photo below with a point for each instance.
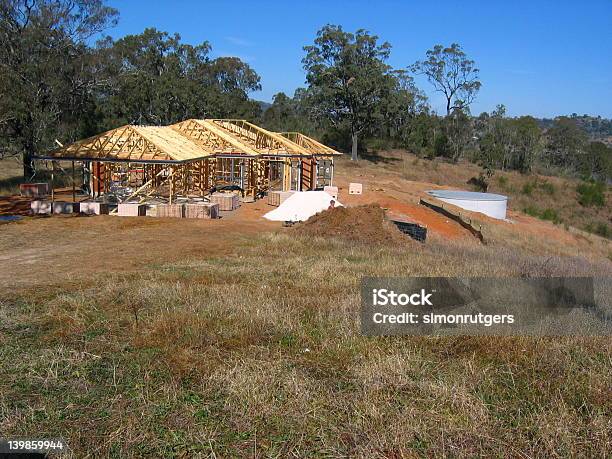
(302, 205)
(61, 207)
(171, 210)
(276, 198)
(130, 209)
(34, 189)
(41, 207)
(94, 208)
(247, 198)
(226, 201)
(202, 210)
(355, 188)
(332, 191)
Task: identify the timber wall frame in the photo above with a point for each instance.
(192, 156)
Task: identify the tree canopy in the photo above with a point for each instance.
(348, 79)
(452, 73)
(46, 80)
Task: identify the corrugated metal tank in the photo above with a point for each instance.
(493, 205)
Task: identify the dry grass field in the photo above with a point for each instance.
(238, 338)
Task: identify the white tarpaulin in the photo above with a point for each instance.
(302, 205)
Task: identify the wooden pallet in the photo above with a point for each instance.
(226, 201)
(170, 210)
(202, 210)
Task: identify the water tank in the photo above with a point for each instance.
(493, 205)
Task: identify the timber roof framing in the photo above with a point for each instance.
(309, 144)
(132, 143)
(188, 140)
(264, 141)
(213, 138)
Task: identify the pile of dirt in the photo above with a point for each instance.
(362, 224)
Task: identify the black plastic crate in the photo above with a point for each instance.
(416, 232)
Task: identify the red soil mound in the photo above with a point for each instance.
(362, 224)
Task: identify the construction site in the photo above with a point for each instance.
(191, 162)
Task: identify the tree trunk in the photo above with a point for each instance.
(28, 170)
(354, 147)
(448, 106)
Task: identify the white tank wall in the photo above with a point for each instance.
(494, 209)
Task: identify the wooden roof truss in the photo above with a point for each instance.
(123, 143)
(189, 140)
(213, 138)
(308, 143)
(262, 140)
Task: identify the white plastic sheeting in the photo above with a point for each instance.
(302, 205)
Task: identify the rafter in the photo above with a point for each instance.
(120, 143)
(308, 143)
(262, 140)
(213, 138)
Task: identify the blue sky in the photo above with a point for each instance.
(542, 58)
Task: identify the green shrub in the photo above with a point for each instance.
(591, 194)
(528, 188)
(532, 210)
(600, 228)
(544, 214)
(550, 215)
(547, 187)
(441, 146)
(378, 144)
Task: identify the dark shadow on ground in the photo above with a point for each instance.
(377, 159)
(10, 183)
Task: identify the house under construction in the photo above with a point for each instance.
(191, 157)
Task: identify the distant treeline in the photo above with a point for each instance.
(595, 127)
(558, 147)
(56, 85)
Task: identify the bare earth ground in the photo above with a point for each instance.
(52, 250)
(145, 337)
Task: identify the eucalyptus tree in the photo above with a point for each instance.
(451, 73)
(46, 82)
(348, 79)
(155, 78)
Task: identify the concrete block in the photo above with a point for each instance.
(202, 210)
(276, 198)
(62, 207)
(355, 188)
(94, 208)
(171, 210)
(41, 207)
(131, 209)
(331, 190)
(34, 189)
(226, 201)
